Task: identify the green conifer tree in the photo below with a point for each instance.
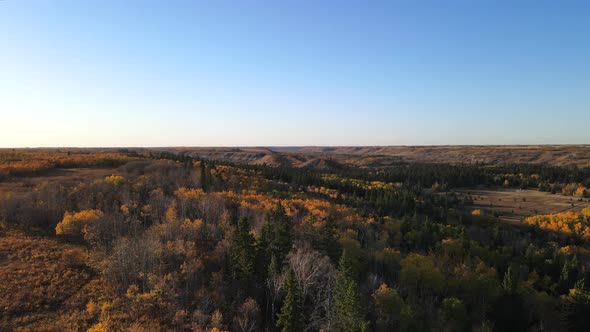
(242, 252)
(347, 310)
(509, 283)
(576, 308)
(290, 319)
(205, 176)
(276, 237)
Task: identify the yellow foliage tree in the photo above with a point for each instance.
(117, 180)
(581, 192)
(419, 272)
(98, 327)
(569, 223)
(73, 223)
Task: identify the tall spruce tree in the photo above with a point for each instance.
(205, 176)
(576, 308)
(347, 309)
(290, 319)
(509, 309)
(509, 283)
(242, 253)
(276, 237)
(272, 280)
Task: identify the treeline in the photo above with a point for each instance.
(444, 175)
(403, 189)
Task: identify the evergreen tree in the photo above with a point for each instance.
(323, 238)
(242, 252)
(347, 310)
(283, 239)
(273, 268)
(509, 312)
(330, 245)
(577, 308)
(205, 176)
(264, 256)
(564, 278)
(509, 283)
(272, 280)
(290, 319)
(276, 237)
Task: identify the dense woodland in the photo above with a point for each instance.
(172, 243)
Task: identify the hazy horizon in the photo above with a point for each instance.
(279, 147)
(256, 74)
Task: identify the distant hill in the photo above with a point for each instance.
(259, 156)
(561, 155)
(334, 157)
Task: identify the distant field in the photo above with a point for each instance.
(515, 204)
(59, 175)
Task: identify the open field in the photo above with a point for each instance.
(21, 184)
(41, 281)
(513, 205)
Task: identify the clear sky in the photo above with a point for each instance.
(205, 73)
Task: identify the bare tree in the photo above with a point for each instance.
(131, 258)
(315, 275)
(158, 203)
(248, 316)
(274, 283)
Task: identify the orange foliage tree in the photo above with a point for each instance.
(569, 223)
(74, 224)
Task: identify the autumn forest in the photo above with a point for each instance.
(161, 240)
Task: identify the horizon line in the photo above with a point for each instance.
(289, 146)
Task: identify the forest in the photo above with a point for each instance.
(159, 240)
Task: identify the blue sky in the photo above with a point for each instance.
(192, 73)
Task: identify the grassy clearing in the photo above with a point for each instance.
(73, 175)
(44, 284)
(513, 205)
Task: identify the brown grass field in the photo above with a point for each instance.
(26, 183)
(513, 205)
